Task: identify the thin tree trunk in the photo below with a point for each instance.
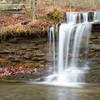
(34, 4)
(32, 9)
(53, 3)
(70, 5)
(35, 8)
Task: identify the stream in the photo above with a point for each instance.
(20, 91)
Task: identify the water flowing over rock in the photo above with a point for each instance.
(68, 70)
(96, 16)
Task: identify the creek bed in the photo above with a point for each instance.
(39, 92)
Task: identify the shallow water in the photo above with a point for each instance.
(21, 91)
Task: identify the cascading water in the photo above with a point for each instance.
(85, 17)
(96, 16)
(73, 36)
(52, 45)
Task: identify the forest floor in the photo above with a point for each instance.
(22, 25)
(46, 14)
(46, 17)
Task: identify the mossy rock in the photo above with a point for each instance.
(96, 41)
(98, 22)
(3, 62)
(3, 2)
(12, 81)
(93, 36)
(56, 16)
(37, 31)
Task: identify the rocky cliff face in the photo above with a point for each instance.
(94, 55)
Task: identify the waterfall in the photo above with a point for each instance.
(71, 18)
(52, 44)
(65, 32)
(85, 17)
(82, 29)
(96, 16)
(69, 67)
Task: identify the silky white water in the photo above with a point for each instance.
(73, 38)
(96, 16)
(52, 44)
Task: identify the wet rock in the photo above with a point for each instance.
(3, 62)
(23, 48)
(40, 55)
(95, 46)
(10, 57)
(43, 62)
(14, 40)
(96, 27)
(34, 48)
(4, 52)
(20, 52)
(25, 22)
(14, 58)
(27, 56)
(37, 59)
(96, 41)
(93, 75)
(96, 34)
(23, 77)
(29, 49)
(93, 36)
(91, 55)
(25, 51)
(17, 60)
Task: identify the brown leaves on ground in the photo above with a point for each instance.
(10, 20)
(22, 69)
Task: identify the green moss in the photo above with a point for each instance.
(98, 22)
(36, 31)
(12, 81)
(56, 16)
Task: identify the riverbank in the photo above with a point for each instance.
(23, 58)
(22, 26)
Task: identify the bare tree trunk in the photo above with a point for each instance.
(53, 3)
(4, 1)
(32, 14)
(70, 5)
(34, 4)
(35, 8)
